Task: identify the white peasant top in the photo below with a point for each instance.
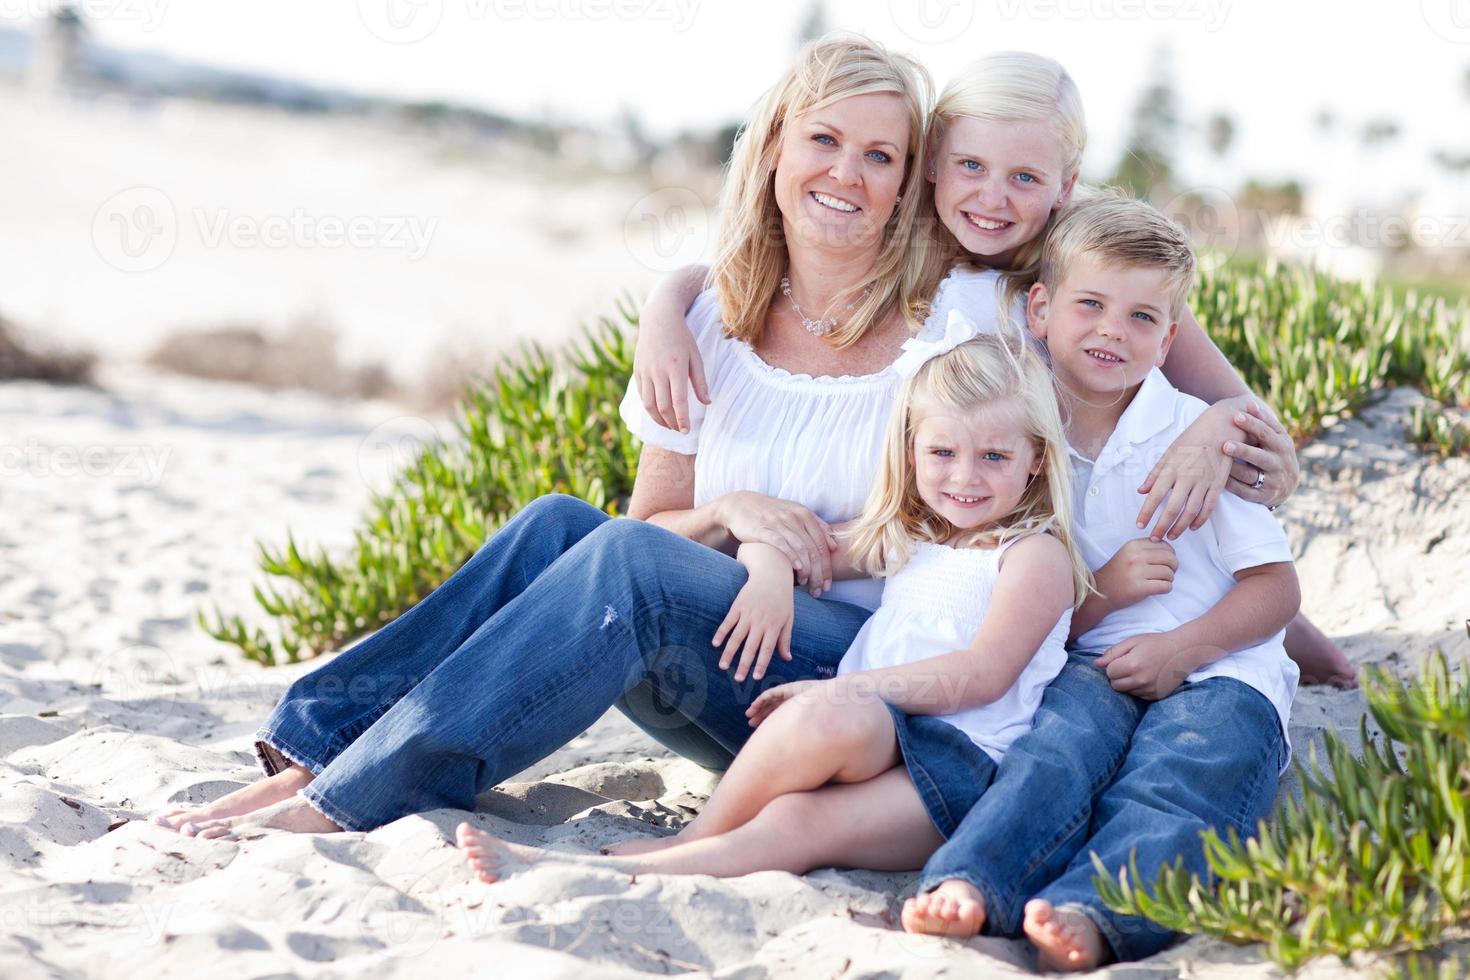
(934, 605)
(814, 441)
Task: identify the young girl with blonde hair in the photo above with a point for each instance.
(968, 526)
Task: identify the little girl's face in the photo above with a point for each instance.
(996, 184)
(972, 468)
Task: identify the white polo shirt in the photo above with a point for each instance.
(1238, 535)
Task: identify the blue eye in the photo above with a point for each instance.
(1093, 302)
(970, 164)
(880, 156)
(994, 457)
(1029, 178)
(823, 136)
(1145, 316)
(944, 453)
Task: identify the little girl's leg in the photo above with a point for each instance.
(805, 744)
(879, 824)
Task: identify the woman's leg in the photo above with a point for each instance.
(1207, 756)
(322, 712)
(628, 603)
(879, 824)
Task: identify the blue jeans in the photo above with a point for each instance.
(1108, 773)
(563, 614)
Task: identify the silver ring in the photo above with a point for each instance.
(1260, 479)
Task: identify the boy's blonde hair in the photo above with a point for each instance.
(751, 254)
(988, 370)
(1017, 86)
(1118, 230)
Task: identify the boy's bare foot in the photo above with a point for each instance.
(640, 845)
(261, 793)
(491, 858)
(1320, 660)
(1066, 939)
(956, 909)
(293, 815)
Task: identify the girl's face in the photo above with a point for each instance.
(840, 170)
(972, 468)
(996, 184)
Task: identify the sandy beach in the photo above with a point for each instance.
(131, 507)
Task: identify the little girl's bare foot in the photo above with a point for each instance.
(1066, 939)
(491, 858)
(293, 815)
(956, 909)
(640, 845)
(260, 793)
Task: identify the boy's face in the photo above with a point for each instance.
(1106, 327)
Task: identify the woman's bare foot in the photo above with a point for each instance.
(1321, 661)
(293, 815)
(261, 793)
(1066, 939)
(956, 909)
(640, 845)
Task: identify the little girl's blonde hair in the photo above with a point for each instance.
(1017, 86)
(989, 370)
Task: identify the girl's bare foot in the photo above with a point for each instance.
(260, 793)
(293, 815)
(491, 858)
(640, 845)
(956, 909)
(1321, 661)
(1066, 939)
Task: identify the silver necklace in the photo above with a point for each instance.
(820, 328)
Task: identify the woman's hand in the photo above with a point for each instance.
(760, 618)
(1191, 474)
(1269, 458)
(800, 535)
(772, 699)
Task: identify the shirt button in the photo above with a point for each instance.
(1092, 492)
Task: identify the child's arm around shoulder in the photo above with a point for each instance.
(666, 360)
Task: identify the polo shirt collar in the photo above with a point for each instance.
(1150, 412)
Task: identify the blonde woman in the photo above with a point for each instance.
(566, 612)
(968, 523)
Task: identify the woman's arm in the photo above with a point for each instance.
(666, 361)
(1236, 440)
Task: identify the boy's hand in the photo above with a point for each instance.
(1141, 568)
(770, 700)
(1150, 666)
(760, 618)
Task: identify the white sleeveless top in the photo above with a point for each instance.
(814, 441)
(934, 605)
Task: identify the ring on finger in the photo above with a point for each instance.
(1260, 479)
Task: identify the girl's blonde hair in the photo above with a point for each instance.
(751, 255)
(989, 370)
(1016, 86)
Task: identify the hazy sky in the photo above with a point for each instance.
(1271, 65)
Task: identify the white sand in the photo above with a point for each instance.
(114, 705)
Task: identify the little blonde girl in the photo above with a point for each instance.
(968, 525)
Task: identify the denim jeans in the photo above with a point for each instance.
(1106, 773)
(564, 613)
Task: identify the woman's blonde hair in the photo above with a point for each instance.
(1017, 86)
(987, 371)
(751, 256)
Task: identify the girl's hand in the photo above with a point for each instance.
(758, 624)
(1270, 454)
(1150, 666)
(1141, 568)
(770, 700)
(1191, 474)
(666, 360)
(800, 535)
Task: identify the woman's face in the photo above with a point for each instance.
(997, 183)
(840, 170)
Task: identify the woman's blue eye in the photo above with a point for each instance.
(823, 136)
(880, 156)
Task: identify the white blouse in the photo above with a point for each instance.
(813, 441)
